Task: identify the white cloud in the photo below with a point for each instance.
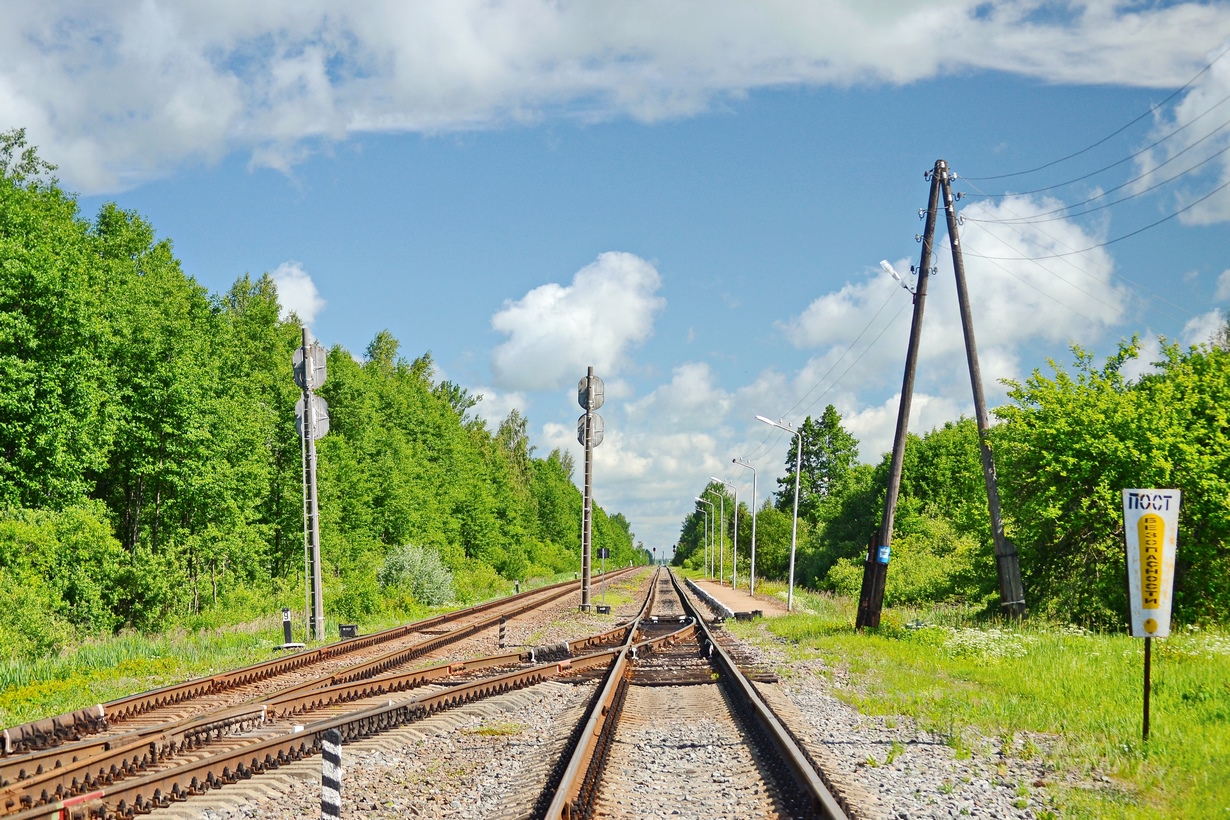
(556, 331)
(122, 92)
(495, 406)
(1201, 329)
(297, 292)
(1193, 138)
(875, 426)
(862, 329)
(1223, 286)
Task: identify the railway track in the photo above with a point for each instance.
(61, 758)
(674, 721)
(677, 728)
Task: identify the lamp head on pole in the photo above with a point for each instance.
(887, 267)
(779, 424)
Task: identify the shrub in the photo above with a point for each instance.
(930, 562)
(418, 570)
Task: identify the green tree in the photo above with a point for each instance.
(1069, 444)
(829, 451)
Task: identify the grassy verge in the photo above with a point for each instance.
(108, 668)
(1076, 693)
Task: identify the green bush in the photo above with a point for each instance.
(931, 562)
(418, 570)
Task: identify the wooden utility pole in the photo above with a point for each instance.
(1007, 562)
(875, 570)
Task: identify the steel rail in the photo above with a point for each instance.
(19, 767)
(39, 735)
(577, 790)
(142, 794)
(572, 785)
(806, 774)
(126, 756)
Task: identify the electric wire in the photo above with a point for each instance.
(1117, 239)
(1037, 218)
(844, 353)
(1129, 157)
(1050, 296)
(1114, 133)
(776, 432)
(837, 381)
(1025, 256)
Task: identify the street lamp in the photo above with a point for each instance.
(734, 547)
(794, 531)
(721, 535)
(707, 538)
(713, 563)
(751, 586)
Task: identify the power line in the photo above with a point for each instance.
(1105, 268)
(1135, 179)
(850, 347)
(1108, 242)
(837, 381)
(1114, 133)
(1131, 156)
(776, 433)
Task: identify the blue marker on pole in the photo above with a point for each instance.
(882, 555)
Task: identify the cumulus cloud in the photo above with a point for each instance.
(556, 331)
(122, 92)
(1190, 157)
(1223, 286)
(297, 292)
(495, 406)
(1203, 328)
(1018, 297)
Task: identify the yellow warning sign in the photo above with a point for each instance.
(1151, 530)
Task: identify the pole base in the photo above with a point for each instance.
(585, 607)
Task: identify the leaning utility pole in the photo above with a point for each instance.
(875, 569)
(590, 393)
(1007, 562)
(312, 419)
(1008, 565)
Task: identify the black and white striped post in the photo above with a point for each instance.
(503, 633)
(331, 775)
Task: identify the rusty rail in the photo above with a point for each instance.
(54, 731)
(144, 793)
(97, 765)
(574, 786)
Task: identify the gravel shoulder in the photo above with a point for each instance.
(888, 767)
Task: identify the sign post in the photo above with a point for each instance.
(1150, 530)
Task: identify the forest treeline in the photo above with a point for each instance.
(150, 469)
(1065, 445)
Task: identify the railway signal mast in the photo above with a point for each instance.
(590, 393)
(312, 420)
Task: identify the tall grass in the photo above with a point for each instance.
(1077, 693)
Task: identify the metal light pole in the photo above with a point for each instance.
(721, 537)
(707, 538)
(794, 532)
(734, 547)
(751, 585)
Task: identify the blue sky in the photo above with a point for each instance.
(694, 203)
